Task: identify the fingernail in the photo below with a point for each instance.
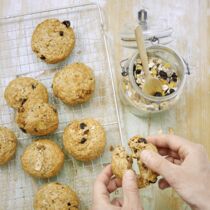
(145, 156)
(129, 174)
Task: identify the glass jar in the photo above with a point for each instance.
(139, 102)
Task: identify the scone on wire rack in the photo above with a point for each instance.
(56, 196)
(122, 161)
(8, 145)
(53, 40)
(21, 89)
(74, 84)
(84, 139)
(38, 118)
(42, 159)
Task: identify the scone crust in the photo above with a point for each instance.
(42, 159)
(37, 118)
(74, 84)
(84, 139)
(23, 88)
(8, 145)
(56, 196)
(53, 41)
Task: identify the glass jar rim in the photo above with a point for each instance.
(150, 97)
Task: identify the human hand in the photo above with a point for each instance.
(106, 184)
(185, 167)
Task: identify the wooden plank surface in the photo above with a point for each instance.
(191, 23)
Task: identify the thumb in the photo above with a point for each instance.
(158, 163)
(130, 191)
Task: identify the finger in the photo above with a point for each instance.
(114, 184)
(168, 152)
(163, 184)
(175, 143)
(117, 202)
(158, 164)
(100, 192)
(130, 191)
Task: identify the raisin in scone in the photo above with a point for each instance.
(84, 139)
(42, 159)
(122, 161)
(8, 145)
(56, 196)
(53, 40)
(23, 88)
(37, 118)
(74, 84)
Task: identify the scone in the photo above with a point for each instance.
(42, 159)
(84, 139)
(137, 144)
(56, 196)
(122, 161)
(37, 118)
(23, 88)
(74, 84)
(53, 40)
(8, 144)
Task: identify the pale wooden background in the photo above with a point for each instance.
(190, 20)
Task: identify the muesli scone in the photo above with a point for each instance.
(84, 139)
(122, 161)
(56, 196)
(23, 88)
(53, 40)
(8, 145)
(74, 84)
(42, 159)
(37, 118)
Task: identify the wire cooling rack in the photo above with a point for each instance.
(17, 59)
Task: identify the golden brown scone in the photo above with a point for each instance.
(23, 88)
(42, 159)
(84, 139)
(137, 144)
(52, 40)
(56, 196)
(8, 145)
(74, 84)
(37, 118)
(121, 161)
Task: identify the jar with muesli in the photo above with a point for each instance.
(164, 64)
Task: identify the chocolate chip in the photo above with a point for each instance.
(22, 129)
(111, 148)
(86, 131)
(33, 86)
(83, 140)
(158, 94)
(172, 91)
(163, 75)
(138, 71)
(54, 109)
(82, 125)
(69, 204)
(174, 75)
(23, 101)
(135, 150)
(61, 33)
(174, 79)
(42, 57)
(66, 23)
(142, 140)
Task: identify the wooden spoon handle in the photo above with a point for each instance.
(142, 50)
